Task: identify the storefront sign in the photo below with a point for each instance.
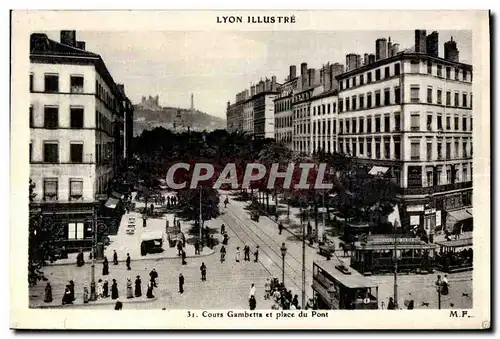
(414, 176)
(438, 218)
(415, 208)
(414, 220)
(430, 211)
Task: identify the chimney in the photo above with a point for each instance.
(327, 77)
(80, 45)
(371, 58)
(268, 84)
(389, 48)
(365, 59)
(293, 72)
(312, 77)
(395, 49)
(303, 74)
(273, 83)
(68, 38)
(336, 69)
(252, 90)
(228, 104)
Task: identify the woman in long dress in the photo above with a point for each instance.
(48, 293)
(105, 289)
(237, 254)
(85, 294)
(114, 290)
(138, 290)
(130, 292)
(105, 266)
(149, 294)
(100, 291)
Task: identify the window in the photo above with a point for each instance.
(457, 72)
(76, 230)
(32, 117)
(75, 188)
(414, 94)
(377, 124)
(329, 131)
(377, 149)
(429, 67)
(51, 117)
(387, 123)
(334, 107)
(429, 95)
(50, 189)
(369, 77)
(448, 150)
(354, 82)
(387, 96)
(369, 124)
(439, 96)
(448, 73)
(361, 125)
(439, 71)
(397, 122)
(341, 105)
(464, 149)
(51, 83)
(429, 151)
(362, 79)
(429, 122)
(440, 123)
(439, 150)
(448, 98)
(369, 148)
(397, 95)
(448, 123)
(397, 149)
(31, 82)
(415, 150)
(347, 125)
(369, 100)
(457, 147)
(464, 75)
(471, 124)
(341, 126)
(347, 104)
(377, 99)
(324, 109)
(354, 148)
(329, 108)
(377, 74)
(353, 99)
(324, 127)
(456, 123)
(387, 148)
(361, 101)
(464, 124)
(397, 69)
(415, 65)
(76, 153)
(387, 72)
(470, 102)
(341, 83)
(347, 83)
(314, 127)
(361, 147)
(464, 100)
(354, 127)
(314, 110)
(415, 122)
(76, 82)
(76, 117)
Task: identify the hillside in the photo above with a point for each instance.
(148, 119)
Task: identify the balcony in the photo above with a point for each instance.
(434, 189)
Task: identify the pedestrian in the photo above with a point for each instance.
(72, 289)
(118, 305)
(114, 290)
(256, 254)
(105, 289)
(222, 229)
(280, 227)
(179, 224)
(183, 255)
(411, 303)
(309, 229)
(167, 224)
(130, 293)
(222, 254)
(48, 293)
(226, 201)
(100, 291)
(390, 304)
(115, 258)
(153, 275)
(181, 283)
(252, 302)
(246, 251)
(144, 217)
(197, 247)
(179, 248)
(237, 254)
(79, 259)
(267, 289)
(128, 261)
(105, 266)
(138, 290)
(67, 296)
(445, 285)
(226, 239)
(149, 293)
(212, 241)
(183, 240)
(85, 294)
(252, 291)
(310, 304)
(203, 270)
(295, 301)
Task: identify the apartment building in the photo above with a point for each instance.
(410, 115)
(283, 125)
(324, 122)
(78, 131)
(248, 116)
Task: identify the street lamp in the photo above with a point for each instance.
(283, 253)
(438, 289)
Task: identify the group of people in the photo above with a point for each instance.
(284, 299)
(246, 252)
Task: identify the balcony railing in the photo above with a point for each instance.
(434, 189)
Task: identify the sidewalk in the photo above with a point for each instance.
(56, 303)
(125, 243)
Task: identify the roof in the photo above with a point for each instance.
(41, 44)
(152, 235)
(456, 243)
(460, 215)
(353, 280)
(332, 92)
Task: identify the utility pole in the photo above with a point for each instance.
(93, 296)
(303, 264)
(201, 229)
(395, 269)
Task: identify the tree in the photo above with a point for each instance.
(189, 203)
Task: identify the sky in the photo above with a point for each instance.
(215, 66)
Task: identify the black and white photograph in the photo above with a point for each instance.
(235, 174)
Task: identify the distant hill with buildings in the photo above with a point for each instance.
(174, 118)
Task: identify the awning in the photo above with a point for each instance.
(377, 170)
(460, 215)
(111, 203)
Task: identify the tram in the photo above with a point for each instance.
(455, 255)
(375, 255)
(337, 287)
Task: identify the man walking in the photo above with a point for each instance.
(246, 250)
(181, 283)
(153, 275)
(203, 270)
(256, 254)
(128, 261)
(197, 247)
(280, 227)
(183, 255)
(115, 258)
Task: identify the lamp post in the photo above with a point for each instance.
(438, 289)
(395, 268)
(283, 254)
(93, 295)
